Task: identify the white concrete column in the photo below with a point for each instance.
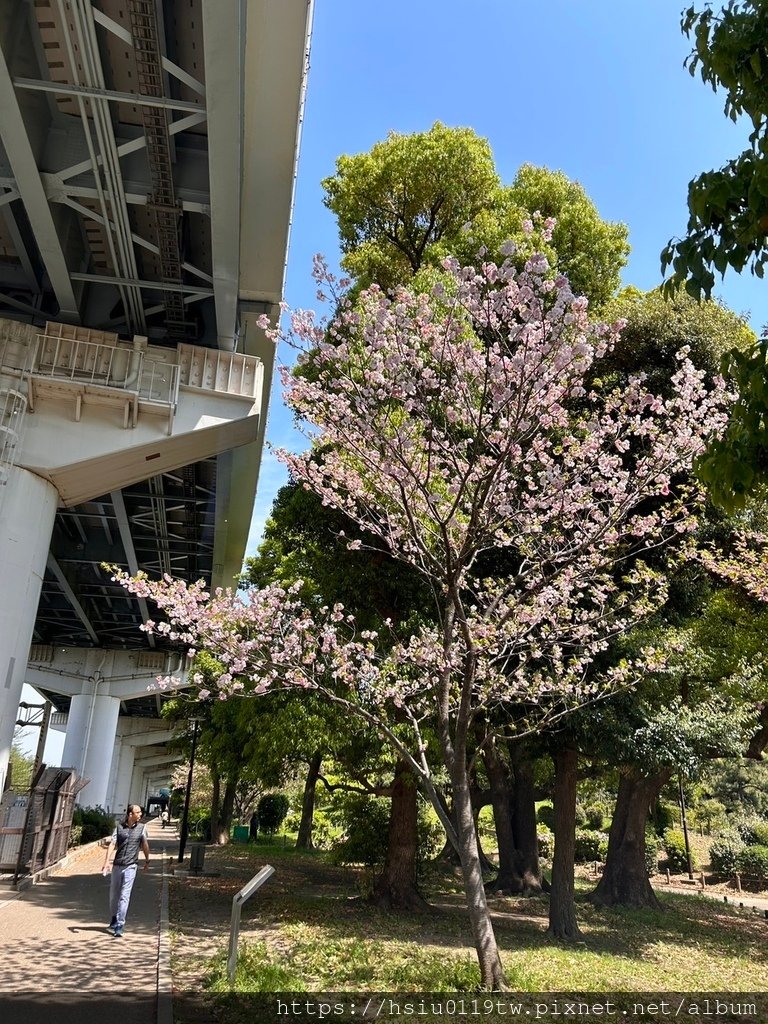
(121, 795)
(26, 523)
(90, 741)
(137, 784)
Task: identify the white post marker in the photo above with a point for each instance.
(237, 905)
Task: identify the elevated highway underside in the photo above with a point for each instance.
(147, 162)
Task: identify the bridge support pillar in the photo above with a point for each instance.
(90, 742)
(29, 508)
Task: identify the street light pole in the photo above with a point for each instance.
(185, 817)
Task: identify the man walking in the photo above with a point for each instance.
(129, 837)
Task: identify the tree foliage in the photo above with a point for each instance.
(728, 207)
(446, 425)
(415, 199)
(409, 195)
(657, 327)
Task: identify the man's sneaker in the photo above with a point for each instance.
(118, 933)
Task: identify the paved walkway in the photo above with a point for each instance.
(60, 965)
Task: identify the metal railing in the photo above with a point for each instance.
(88, 362)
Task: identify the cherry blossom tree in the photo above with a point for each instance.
(457, 428)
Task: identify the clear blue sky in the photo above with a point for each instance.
(596, 89)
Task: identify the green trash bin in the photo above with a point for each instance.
(241, 834)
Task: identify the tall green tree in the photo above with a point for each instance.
(414, 199)
(408, 199)
(728, 229)
(728, 208)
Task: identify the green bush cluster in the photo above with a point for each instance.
(199, 823)
(365, 824)
(664, 816)
(93, 822)
(364, 828)
(651, 851)
(725, 851)
(546, 816)
(272, 810)
(546, 841)
(753, 862)
(677, 858)
(730, 854)
(590, 845)
(753, 831)
(596, 818)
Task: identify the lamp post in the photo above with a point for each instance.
(194, 722)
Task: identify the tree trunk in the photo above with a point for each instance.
(524, 823)
(562, 907)
(227, 809)
(215, 805)
(304, 838)
(625, 877)
(491, 971)
(508, 880)
(397, 888)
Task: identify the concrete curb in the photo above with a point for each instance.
(164, 974)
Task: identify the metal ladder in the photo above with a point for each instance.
(162, 205)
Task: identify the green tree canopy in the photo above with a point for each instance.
(414, 199)
(657, 328)
(728, 207)
(408, 194)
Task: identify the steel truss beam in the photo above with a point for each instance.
(71, 597)
(30, 188)
(125, 36)
(85, 211)
(126, 537)
(135, 282)
(90, 92)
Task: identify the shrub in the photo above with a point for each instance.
(710, 814)
(546, 839)
(546, 815)
(431, 833)
(651, 851)
(753, 831)
(590, 845)
(724, 853)
(75, 836)
(272, 810)
(753, 862)
(677, 858)
(595, 818)
(664, 817)
(94, 823)
(581, 817)
(365, 822)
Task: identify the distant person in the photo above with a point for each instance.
(253, 828)
(129, 837)
(164, 817)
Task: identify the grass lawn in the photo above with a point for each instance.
(308, 930)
